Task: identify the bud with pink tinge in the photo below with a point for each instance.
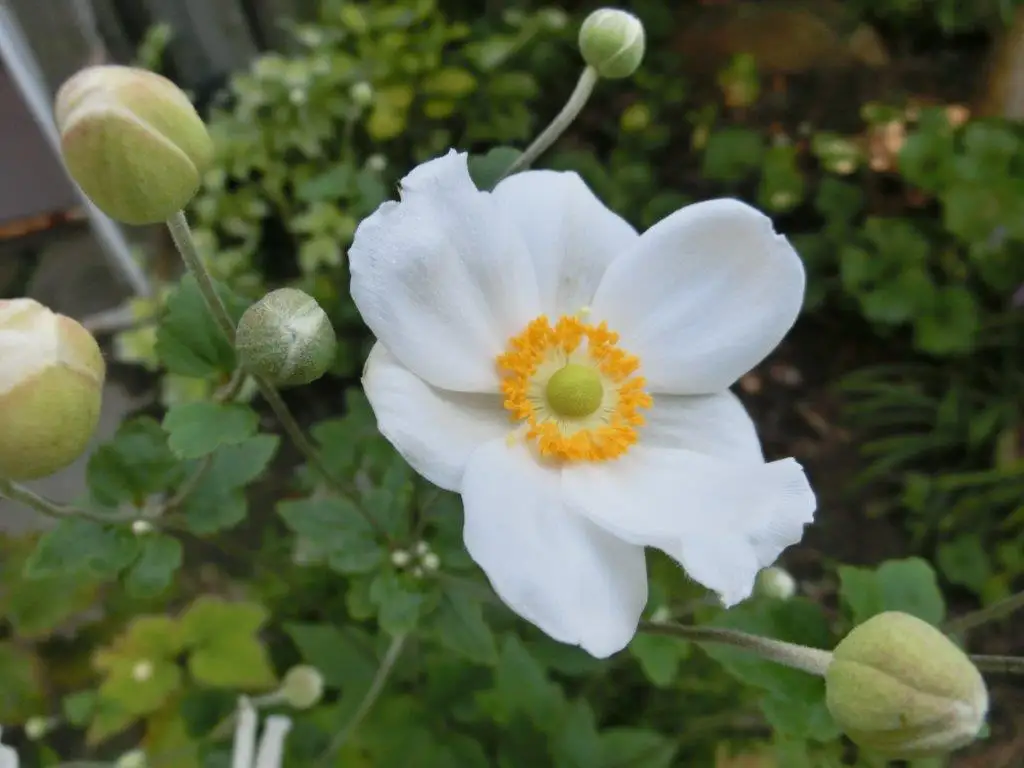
(132, 141)
(51, 383)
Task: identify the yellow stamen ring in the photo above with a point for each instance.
(573, 389)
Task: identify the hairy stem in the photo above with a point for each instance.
(577, 100)
(1003, 665)
(19, 493)
(802, 657)
(372, 694)
(994, 612)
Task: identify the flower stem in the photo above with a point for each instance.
(372, 694)
(17, 492)
(182, 236)
(1004, 665)
(580, 95)
(812, 660)
(994, 612)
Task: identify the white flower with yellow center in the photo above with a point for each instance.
(569, 378)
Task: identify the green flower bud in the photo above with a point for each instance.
(775, 583)
(287, 337)
(898, 687)
(132, 141)
(612, 42)
(302, 687)
(51, 385)
(37, 727)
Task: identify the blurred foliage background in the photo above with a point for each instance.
(884, 137)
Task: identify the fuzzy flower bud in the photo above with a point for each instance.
(612, 42)
(51, 384)
(302, 687)
(898, 687)
(775, 583)
(287, 337)
(132, 141)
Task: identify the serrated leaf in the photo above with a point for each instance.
(224, 650)
(154, 571)
(336, 530)
(188, 341)
(459, 625)
(77, 545)
(522, 686)
(133, 465)
(198, 429)
(398, 606)
(486, 169)
(907, 585)
(343, 656)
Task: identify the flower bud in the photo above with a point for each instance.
(51, 386)
(142, 527)
(775, 583)
(898, 687)
(361, 94)
(134, 759)
(132, 141)
(37, 727)
(302, 686)
(612, 42)
(287, 337)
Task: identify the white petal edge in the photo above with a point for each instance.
(573, 580)
(705, 295)
(721, 521)
(716, 425)
(245, 735)
(442, 278)
(435, 430)
(271, 752)
(571, 235)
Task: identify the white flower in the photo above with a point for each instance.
(569, 378)
(8, 757)
(271, 747)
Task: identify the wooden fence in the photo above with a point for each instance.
(210, 38)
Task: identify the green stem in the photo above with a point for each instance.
(1003, 665)
(16, 492)
(812, 660)
(182, 236)
(387, 664)
(580, 95)
(994, 612)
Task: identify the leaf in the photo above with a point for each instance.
(158, 561)
(659, 657)
(336, 530)
(78, 545)
(460, 626)
(21, 692)
(577, 744)
(188, 340)
(732, 153)
(486, 170)
(636, 748)
(964, 561)
(907, 585)
(78, 707)
(398, 607)
(135, 464)
(521, 686)
(198, 429)
(343, 656)
(224, 649)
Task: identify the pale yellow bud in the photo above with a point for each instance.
(898, 687)
(302, 687)
(132, 141)
(612, 42)
(51, 383)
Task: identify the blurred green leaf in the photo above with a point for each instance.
(399, 607)
(159, 559)
(335, 531)
(198, 429)
(733, 153)
(636, 748)
(577, 743)
(486, 170)
(224, 648)
(659, 656)
(78, 545)
(460, 626)
(135, 464)
(906, 585)
(343, 657)
(964, 561)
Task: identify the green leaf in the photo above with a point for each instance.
(636, 748)
(78, 545)
(188, 341)
(521, 686)
(732, 153)
(486, 170)
(225, 651)
(78, 707)
(577, 744)
(198, 429)
(659, 657)
(135, 464)
(907, 585)
(964, 561)
(459, 625)
(21, 694)
(798, 718)
(153, 572)
(335, 530)
(343, 656)
(398, 606)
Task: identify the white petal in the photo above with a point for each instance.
(721, 521)
(576, 582)
(245, 735)
(442, 278)
(706, 294)
(717, 425)
(8, 757)
(435, 430)
(271, 751)
(571, 235)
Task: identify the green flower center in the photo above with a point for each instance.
(574, 391)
